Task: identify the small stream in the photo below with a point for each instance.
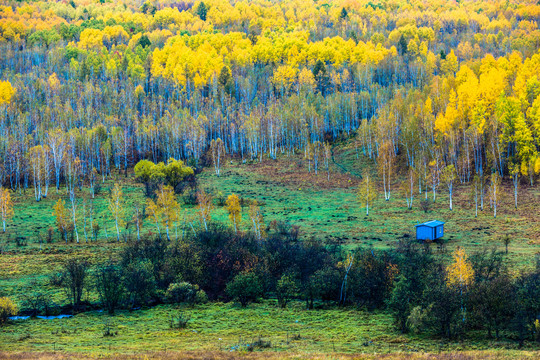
(40, 317)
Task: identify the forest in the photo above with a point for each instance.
(186, 160)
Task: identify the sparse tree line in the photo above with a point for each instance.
(161, 213)
(424, 291)
(484, 191)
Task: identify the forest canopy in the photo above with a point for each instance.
(111, 83)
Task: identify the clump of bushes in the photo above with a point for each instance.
(7, 309)
(245, 288)
(190, 196)
(286, 289)
(179, 322)
(408, 281)
(184, 292)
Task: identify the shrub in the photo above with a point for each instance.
(140, 281)
(74, 275)
(190, 197)
(220, 199)
(56, 279)
(95, 230)
(398, 303)
(326, 283)
(201, 297)
(179, 322)
(109, 286)
(50, 232)
(97, 188)
(286, 289)
(107, 331)
(21, 241)
(416, 321)
(7, 309)
(425, 205)
(184, 292)
(245, 288)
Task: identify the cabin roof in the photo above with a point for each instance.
(432, 223)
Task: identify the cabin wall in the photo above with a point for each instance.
(440, 232)
(424, 233)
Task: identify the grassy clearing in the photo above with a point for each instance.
(220, 355)
(328, 209)
(222, 327)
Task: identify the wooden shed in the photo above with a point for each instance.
(431, 230)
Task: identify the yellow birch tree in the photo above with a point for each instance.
(6, 206)
(235, 210)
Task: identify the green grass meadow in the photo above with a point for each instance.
(223, 327)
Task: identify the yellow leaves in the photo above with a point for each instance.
(412, 47)
(6, 205)
(284, 77)
(111, 67)
(91, 38)
(234, 209)
(6, 11)
(533, 115)
(116, 204)
(110, 35)
(167, 206)
(205, 207)
(26, 9)
(460, 273)
(524, 169)
(366, 192)
(199, 57)
(449, 66)
(61, 215)
(306, 81)
(7, 309)
(152, 209)
(115, 33)
(6, 92)
(428, 106)
(465, 50)
(139, 91)
(467, 91)
(53, 82)
(167, 15)
(444, 123)
(179, 62)
(478, 119)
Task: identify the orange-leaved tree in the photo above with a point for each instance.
(6, 206)
(460, 275)
(366, 192)
(235, 210)
(205, 207)
(61, 215)
(6, 92)
(167, 206)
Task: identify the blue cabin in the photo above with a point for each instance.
(431, 230)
